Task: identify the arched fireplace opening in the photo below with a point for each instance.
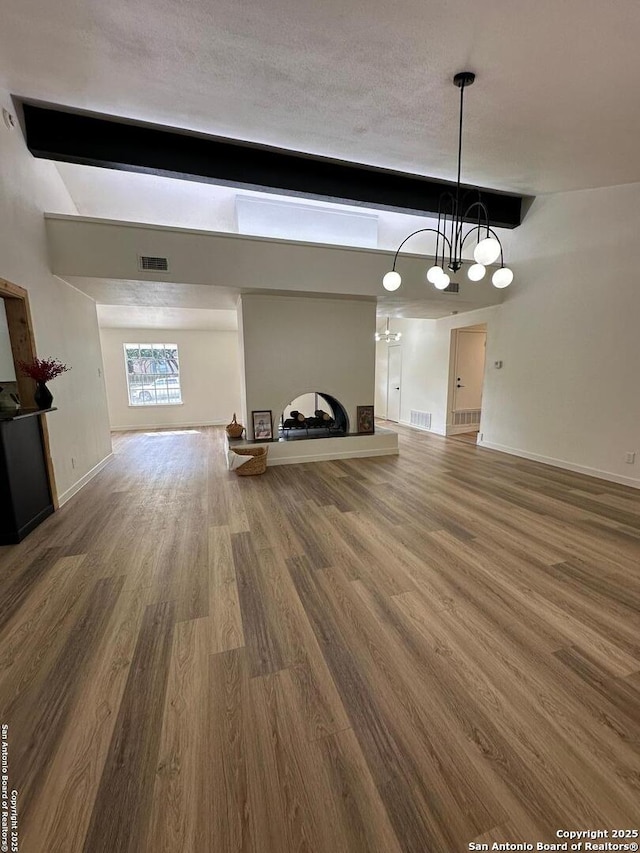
(314, 415)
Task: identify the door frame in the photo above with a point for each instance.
(389, 348)
(450, 428)
(23, 348)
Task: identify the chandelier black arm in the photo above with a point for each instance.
(472, 191)
(444, 197)
(447, 211)
(419, 231)
(482, 209)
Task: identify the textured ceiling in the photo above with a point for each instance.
(368, 82)
(156, 294)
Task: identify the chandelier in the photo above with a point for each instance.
(388, 336)
(454, 211)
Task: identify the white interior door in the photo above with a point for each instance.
(394, 381)
(469, 369)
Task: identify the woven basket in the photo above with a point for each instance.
(234, 429)
(257, 464)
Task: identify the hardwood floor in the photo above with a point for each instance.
(469, 437)
(370, 656)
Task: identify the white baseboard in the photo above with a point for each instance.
(186, 425)
(422, 429)
(561, 463)
(65, 496)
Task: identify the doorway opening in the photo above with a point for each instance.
(466, 381)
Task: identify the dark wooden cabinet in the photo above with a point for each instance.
(25, 497)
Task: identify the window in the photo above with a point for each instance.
(153, 374)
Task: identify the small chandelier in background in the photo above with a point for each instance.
(451, 220)
(388, 336)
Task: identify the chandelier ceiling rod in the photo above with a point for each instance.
(450, 215)
(466, 78)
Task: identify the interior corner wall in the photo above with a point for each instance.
(64, 320)
(209, 378)
(297, 344)
(568, 337)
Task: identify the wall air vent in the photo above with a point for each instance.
(454, 287)
(149, 263)
(468, 417)
(422, 420)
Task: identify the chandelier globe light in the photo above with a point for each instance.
(387, 336)
(442, 282)
(454, 212)
(434, 273)
(502, 277)
(476, 272)
(392, 280)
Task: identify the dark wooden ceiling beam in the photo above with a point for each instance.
(56, 133)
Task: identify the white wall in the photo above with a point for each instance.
(568, 336)
(64, 320)
(306, 404)
(293, 345)
(209, 378)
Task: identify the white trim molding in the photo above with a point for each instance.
(433, 429)
(561, 463)
(140, 427)
(73, 490)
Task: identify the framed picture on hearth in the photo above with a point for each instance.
(365, 419)
(262, 425)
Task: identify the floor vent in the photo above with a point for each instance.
(468, 418)
(147, 262)
(422, 420)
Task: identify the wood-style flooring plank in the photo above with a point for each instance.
(225, 622)
(121, 814)
(180, 801)
(63, 809)
(261, 637)
(38, 716)
(228, 822)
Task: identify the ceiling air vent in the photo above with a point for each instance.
(454, 287)
(149, 263)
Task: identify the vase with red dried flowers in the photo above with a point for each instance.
(42, 370)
